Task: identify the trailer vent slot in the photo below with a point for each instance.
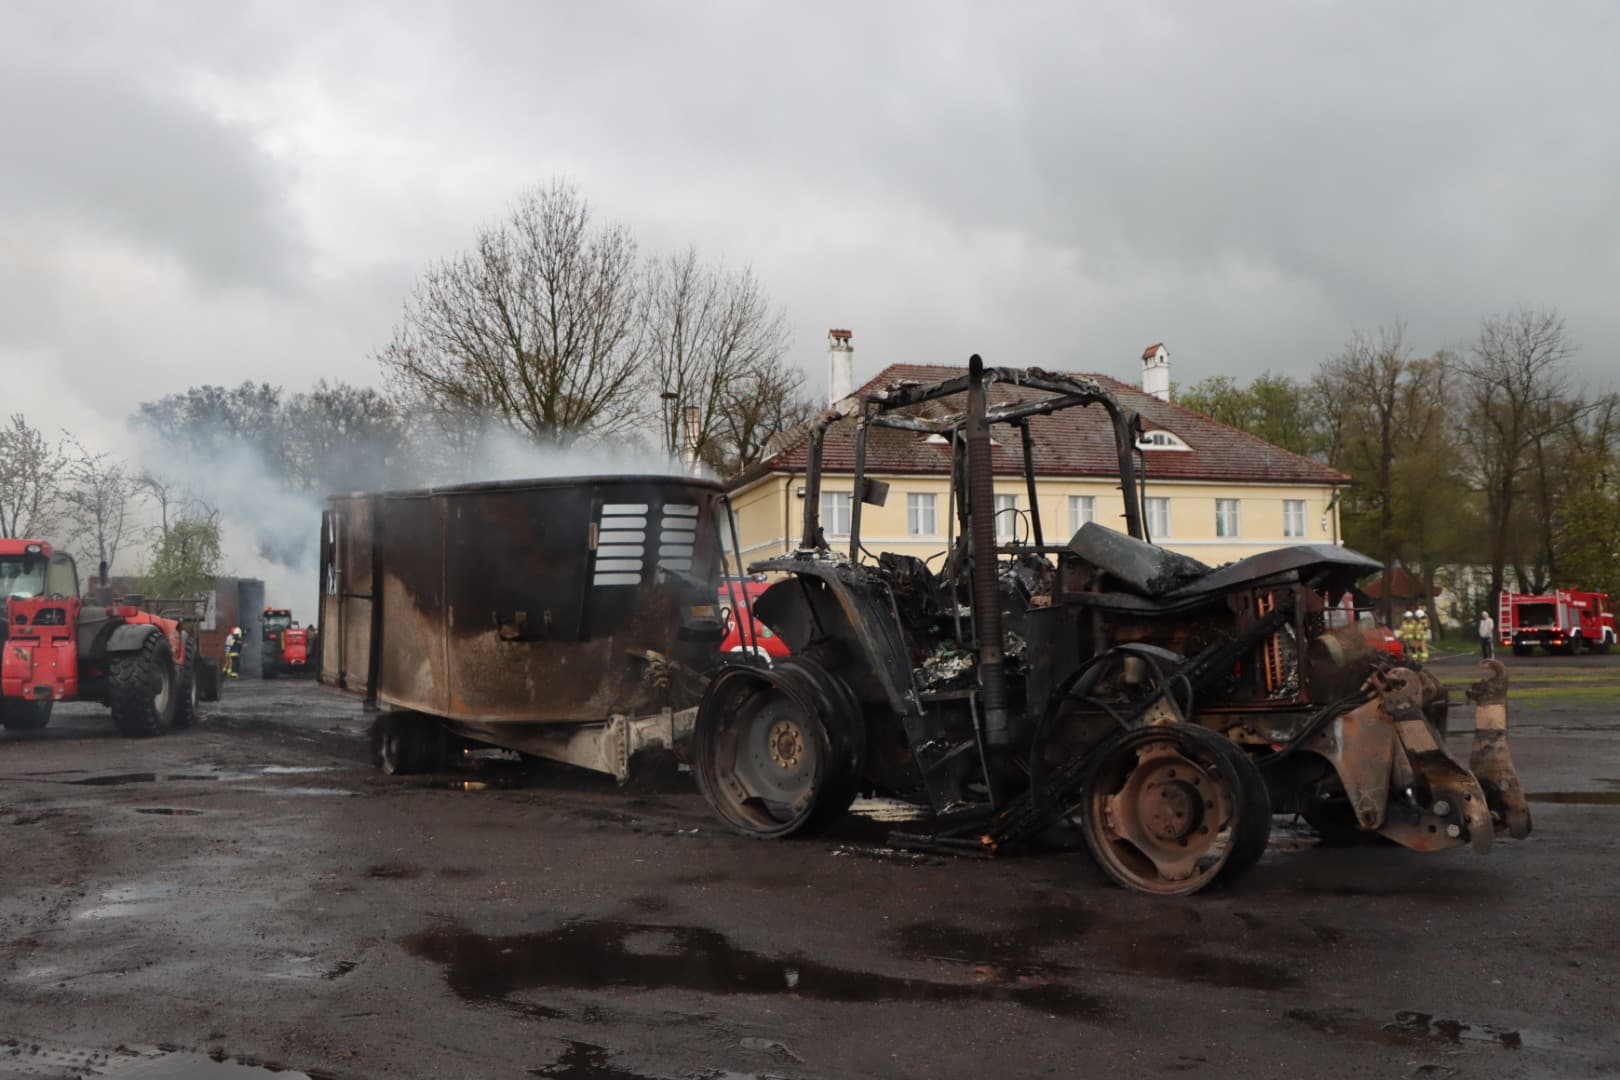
(677, 535)
(621, 544)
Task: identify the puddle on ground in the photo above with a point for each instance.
(305, 792)
(43, 1058)
(1016, 949)
(586, 1061)
(599, 955)
(171, 811)
(1407, 1028)
(115, 779)
(138, 899)
(1578, 798)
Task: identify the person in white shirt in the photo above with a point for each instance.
(1487, 635)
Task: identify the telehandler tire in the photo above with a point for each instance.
(187, 708)
(17, 715)
(141, 688)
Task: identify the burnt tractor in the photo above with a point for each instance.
(289, 649)
(1165, 709)
(57, 648)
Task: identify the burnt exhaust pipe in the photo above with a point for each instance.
(982, 553)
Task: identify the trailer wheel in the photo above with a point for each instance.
(405, 743)
(19, 715)
(141, 688)
(778, 750)
(1171, 809)
(188, 694)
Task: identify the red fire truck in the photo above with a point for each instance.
(1562, 621)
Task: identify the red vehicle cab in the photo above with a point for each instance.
(746, 634)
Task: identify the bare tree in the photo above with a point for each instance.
(763, 407)
(1517, 378)
(715, 341)
(30, 480)
(97, 497)
(537, 326)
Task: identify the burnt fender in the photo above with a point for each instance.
(847, 605)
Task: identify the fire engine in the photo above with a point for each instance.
(1562, 621)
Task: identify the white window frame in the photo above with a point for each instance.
(1228, 518)
(1293, 529)
(922, 514)
(1006, 518)
(1156, 512)
(1082, 509)
(837, 512)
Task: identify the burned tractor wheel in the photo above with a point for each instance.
(141, 688)
(187, 691)
(1170, 809)
(779, 750)
(18, 715)
(404, 743)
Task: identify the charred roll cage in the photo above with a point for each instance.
(1167, 709)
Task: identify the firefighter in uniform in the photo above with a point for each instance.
(233, 653)
(1408, 634)
(1420, 637)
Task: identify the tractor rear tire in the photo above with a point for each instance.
(141, 688)
(208, 678)
(18, 715)
(187, 708)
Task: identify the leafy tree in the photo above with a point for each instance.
(1277, 408)
(186, 559)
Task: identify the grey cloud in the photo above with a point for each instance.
(96, 148)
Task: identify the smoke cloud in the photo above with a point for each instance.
(271, 529)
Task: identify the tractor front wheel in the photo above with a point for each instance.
(779, 750)
(142, 688)
(1173, 808)
(19, 715)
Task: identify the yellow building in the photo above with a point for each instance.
(1212, 492)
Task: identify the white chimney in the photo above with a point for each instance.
(840, 366)
(1156, 371)
(689, 438)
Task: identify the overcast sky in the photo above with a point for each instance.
(206, 192)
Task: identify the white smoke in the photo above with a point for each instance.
(271, 531)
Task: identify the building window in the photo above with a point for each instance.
(920, 516)
(1227, 522)
(1293, 517)
(1157, 509)
(835, 508)
(1006, 518)
(1159, 439)
(1082, 509)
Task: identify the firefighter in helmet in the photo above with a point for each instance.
(1407, 632)
(1421, 636)
(233, 653)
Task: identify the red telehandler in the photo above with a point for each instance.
(56, 647)
(289, 649)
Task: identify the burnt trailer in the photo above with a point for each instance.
(568, 618)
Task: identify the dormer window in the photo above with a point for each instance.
(1159, 439)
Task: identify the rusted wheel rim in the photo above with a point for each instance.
(1160, 809)
(777, 756)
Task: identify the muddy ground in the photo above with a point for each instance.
(249, 895)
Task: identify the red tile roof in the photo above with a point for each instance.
(1148, 353)
(1075, 442)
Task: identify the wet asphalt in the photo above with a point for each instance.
(249, 896)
